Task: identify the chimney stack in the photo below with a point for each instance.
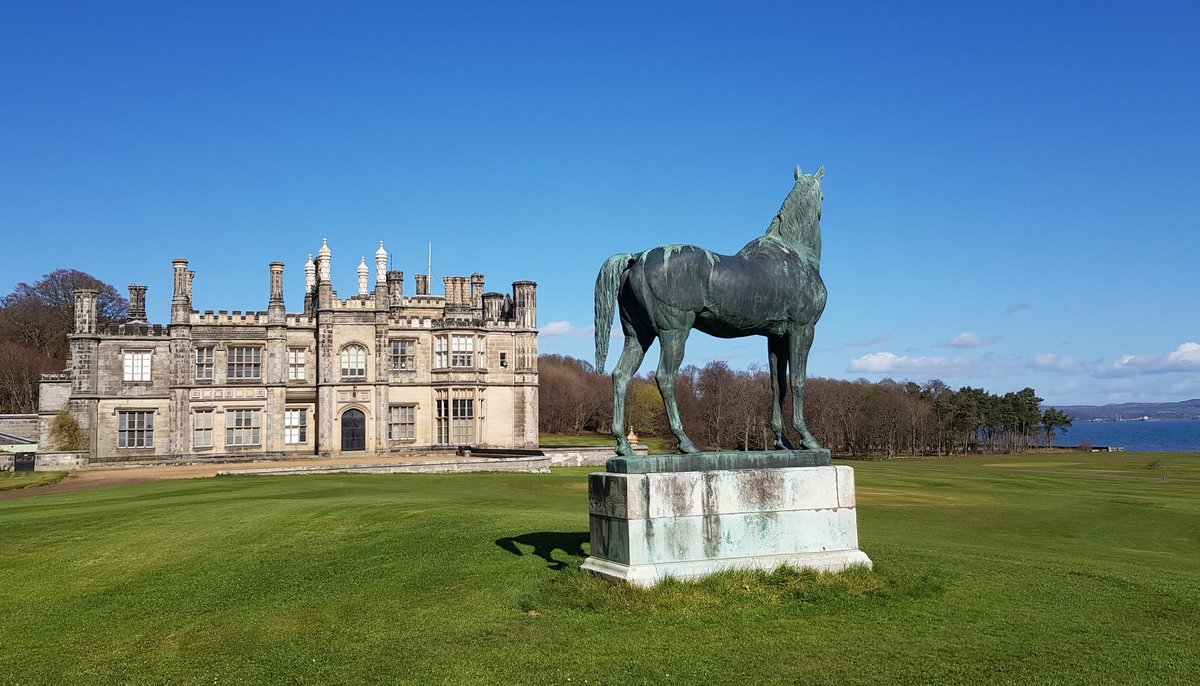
(85, 310)
(181, 300)
(137, 303)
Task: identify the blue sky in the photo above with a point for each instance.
(1012, 194)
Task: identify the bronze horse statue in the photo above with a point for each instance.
(771, 288)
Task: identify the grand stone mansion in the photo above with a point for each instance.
(380, 371)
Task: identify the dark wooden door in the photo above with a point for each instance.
(354, 430)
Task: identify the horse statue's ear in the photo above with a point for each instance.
(798, 172)
(820, 173)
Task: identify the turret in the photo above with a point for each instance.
(381, 270)
(324, 258)
(82, 361)
(363, 274)
(422, 284)
(324, 294)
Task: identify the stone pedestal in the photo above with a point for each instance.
(686, 524)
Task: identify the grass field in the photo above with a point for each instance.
(655, 444)
(14, 480)
(1062, 569)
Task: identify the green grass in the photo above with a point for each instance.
(1057, 569)
(14, 480)
(657, 446)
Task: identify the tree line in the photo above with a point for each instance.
(35, 320)
(725, 408)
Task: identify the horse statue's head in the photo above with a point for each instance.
(798, 223)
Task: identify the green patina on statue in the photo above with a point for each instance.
(771, 288)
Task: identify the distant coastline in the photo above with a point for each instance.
(1186, 409)
(1151, 435)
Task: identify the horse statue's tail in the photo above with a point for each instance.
(607, 284)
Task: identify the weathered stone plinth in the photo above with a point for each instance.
(687, 524)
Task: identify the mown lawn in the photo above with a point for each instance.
(1058, 569)
(656, 445)
(14, 480)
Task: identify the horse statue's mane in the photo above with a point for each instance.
(799, 212)
(772, 288)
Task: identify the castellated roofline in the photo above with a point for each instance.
(466, 301)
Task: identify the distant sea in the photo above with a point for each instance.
(1154, 435)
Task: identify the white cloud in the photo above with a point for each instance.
(1052, 362)
(565, 328)
(1017, 307)
(891, 363)
(1185, 358)
(874, 340)
(969, 339)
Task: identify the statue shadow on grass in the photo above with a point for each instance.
(544, 543)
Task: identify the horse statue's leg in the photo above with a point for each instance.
(627, 366)
(671, 345)
(801, 341)
(777, 355)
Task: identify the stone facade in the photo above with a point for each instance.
(380, 371)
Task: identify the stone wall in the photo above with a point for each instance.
(23, 425)
(590, 456)
(60, 461)
(537, 465)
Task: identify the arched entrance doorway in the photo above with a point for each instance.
(354, 430)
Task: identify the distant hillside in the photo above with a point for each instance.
(1187, 409)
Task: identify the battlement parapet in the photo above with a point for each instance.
(226, 317)
(133, 329)
(295, 319)
(355, 303)
(410, 322)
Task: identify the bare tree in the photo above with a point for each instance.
(41, 314)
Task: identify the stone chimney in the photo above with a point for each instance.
(181, 300)
(477, 291)
(395, 288)
(493, 307)
(525, 297)
(137, 303)
(457, 292)
(85, 310)
(422, 284)
(276, 311)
